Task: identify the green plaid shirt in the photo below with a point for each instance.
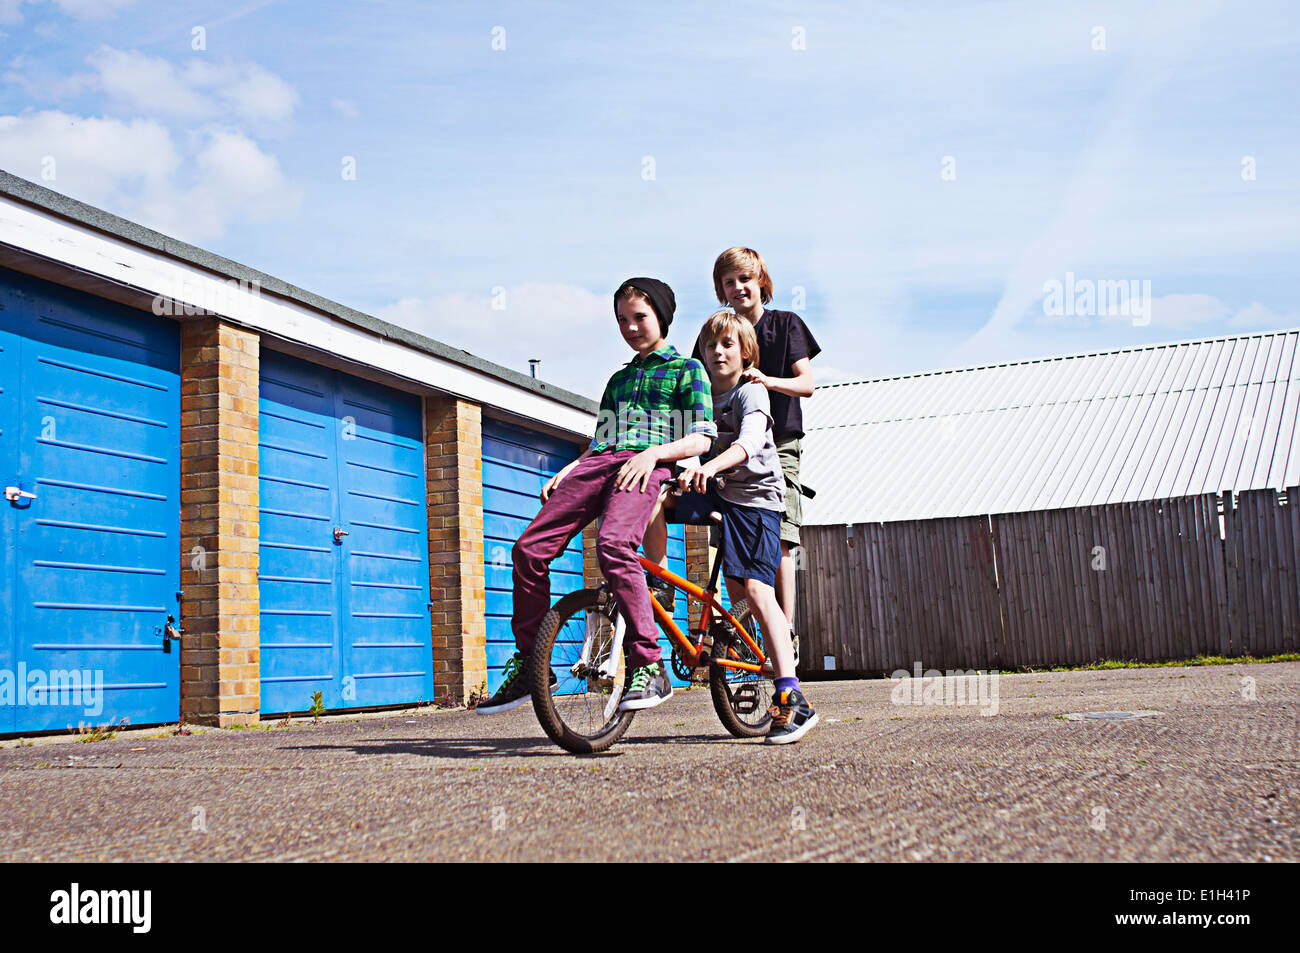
(653, 401)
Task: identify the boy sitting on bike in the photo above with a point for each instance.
(751, 504)
(655, 410)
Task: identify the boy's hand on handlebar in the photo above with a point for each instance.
(697, 480)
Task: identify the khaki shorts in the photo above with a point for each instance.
(788, 452)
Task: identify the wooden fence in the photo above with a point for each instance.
(1146, 581)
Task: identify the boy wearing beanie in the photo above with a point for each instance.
(655, 410)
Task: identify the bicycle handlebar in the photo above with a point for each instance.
(714, 483)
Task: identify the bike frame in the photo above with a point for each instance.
(689, 652)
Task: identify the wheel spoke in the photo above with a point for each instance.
(746, 715)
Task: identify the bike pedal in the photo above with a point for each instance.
(744, 700)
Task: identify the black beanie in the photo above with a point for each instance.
(658, 293)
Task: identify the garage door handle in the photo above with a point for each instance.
(339, 534)
(13, 494)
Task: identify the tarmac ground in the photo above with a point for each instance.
(1201, 767)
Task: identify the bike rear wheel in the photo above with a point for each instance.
(740, 698)
(581, 715)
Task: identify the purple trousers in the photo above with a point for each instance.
(587, 492)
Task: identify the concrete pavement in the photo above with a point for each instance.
(1208, 772)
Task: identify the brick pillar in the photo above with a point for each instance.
(453, 445)
(697, 555)
(220, 667)
(591, 574)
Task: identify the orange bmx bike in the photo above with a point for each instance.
(581, 640)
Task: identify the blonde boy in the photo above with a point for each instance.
(751, 503)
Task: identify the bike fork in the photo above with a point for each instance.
(584, 658)
(609, 667)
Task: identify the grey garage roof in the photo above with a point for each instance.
(69, 208)
(1136, 423)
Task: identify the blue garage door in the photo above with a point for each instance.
(90, 568)
(517, 462)
(344, 573)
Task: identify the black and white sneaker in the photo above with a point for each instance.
(514, 690)
(648, 686)
(792, 718)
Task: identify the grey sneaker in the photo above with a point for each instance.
(648, 686)
(792, 718)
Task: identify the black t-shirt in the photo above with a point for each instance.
(783, 339)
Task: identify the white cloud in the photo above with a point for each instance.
(570, 329)
(134, 169)
(1193, 311)
(94, 159)
(1174, 311)
(1185, 311)
(1256, 316)
(94, 9)
(251, 91)
(191, 182)
(197, 91)
(232, 166)
(824, 374)
(11, 10)
(150, 83)
(346, 108)
(45, 88)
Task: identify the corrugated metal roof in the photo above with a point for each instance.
(1136, 423)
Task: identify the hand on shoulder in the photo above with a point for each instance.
(754, 396)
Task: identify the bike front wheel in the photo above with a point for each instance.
(740, 698)
(576, 642)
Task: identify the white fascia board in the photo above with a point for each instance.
(57, 239)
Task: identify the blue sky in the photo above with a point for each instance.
(1089, 138)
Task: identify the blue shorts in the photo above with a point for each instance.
(751, 535)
